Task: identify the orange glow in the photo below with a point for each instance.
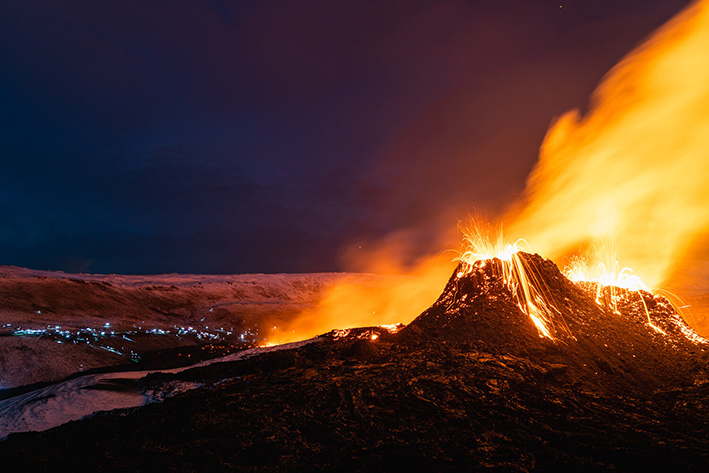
(383, 301)
(631, 174)
(604, 273)
(603, 268)
(635, 168)
(479, 247)
(392, 328)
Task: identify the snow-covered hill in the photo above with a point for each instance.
(54, 324)
(73, 399)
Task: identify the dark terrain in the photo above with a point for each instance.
(469, 385)
(53, 325)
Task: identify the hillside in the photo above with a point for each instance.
(469, 385)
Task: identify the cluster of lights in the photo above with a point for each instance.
(106, 338)
(89, 333)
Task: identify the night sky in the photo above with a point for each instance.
(228, 137)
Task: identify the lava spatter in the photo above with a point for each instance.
(616, 339)
(469, 385)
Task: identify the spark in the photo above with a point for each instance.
(519, 278)
(609, 275)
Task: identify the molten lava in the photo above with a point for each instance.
(526, 288)
(510, 266)
(631, 174)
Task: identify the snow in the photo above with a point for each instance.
(272, 288)
(68, 305)
(71, 304)
(70, 400)
(54, 405)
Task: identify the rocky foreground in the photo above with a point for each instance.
(469, 385)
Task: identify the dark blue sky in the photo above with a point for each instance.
(227, 137)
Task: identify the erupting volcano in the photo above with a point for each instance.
(476, 381)
(582, 362)
(629, 176)
(521, 303)
(617, 197)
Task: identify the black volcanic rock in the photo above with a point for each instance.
(592, 338)
(468, 386)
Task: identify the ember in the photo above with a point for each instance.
(505, 264)
(525, 287)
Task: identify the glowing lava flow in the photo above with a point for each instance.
(611, 283)
(516, 274)
(609, 275)
(624, 279)
(633, 167)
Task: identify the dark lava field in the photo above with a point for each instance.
(467, 386)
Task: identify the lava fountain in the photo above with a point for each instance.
(630, 177)
(480, 248)
(632, 174)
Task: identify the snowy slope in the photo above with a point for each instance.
(70, 400)
(54, 324)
